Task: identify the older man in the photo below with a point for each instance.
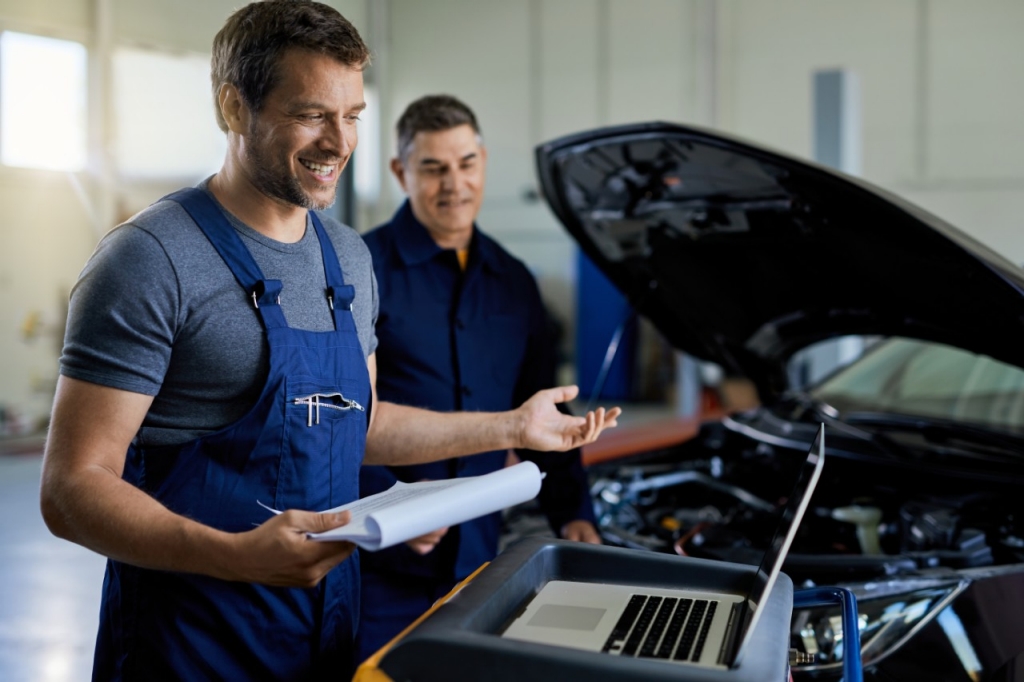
(199, 334)
(461, 327)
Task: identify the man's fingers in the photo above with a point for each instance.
(600, 422)
(434, 536)
(425, 544)
(330, 521)
(581, 531)
(593, 420)
(544, 430)
(312, 522)
(605, 419)
(421, 546)
(563, 394)
(595, 423)
(279, 553)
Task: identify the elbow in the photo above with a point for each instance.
(53, 511)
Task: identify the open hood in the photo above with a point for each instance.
(743, 256)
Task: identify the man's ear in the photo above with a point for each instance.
(399, 172)
(233, 109)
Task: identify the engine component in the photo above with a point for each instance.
(866, 519)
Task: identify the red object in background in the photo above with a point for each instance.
(635, 439)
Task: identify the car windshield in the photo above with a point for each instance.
(921, 379)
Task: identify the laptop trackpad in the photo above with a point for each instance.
(567, 617)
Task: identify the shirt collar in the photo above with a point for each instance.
(415, 245)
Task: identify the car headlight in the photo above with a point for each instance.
(889, 614)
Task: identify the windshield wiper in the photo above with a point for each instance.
(942, 432)
(821, 411)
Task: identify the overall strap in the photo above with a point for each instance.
(265, 293)
(339, 294)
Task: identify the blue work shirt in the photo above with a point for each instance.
(474, 340)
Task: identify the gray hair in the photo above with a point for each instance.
(432, 113)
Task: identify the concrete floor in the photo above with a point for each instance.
(49, 588)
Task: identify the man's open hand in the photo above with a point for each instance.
(543, 427)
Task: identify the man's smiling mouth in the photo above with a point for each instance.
(453, 203)
(320, 169)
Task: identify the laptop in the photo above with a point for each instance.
(678, 625)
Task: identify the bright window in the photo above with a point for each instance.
(42, 102)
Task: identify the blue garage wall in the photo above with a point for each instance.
(600, 309)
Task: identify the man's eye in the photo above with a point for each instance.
(311, 117)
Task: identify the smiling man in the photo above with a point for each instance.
(199, 333)
(461, 327)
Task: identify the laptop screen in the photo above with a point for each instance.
(785, 531)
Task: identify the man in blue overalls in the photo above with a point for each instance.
(461, 327)
(199, 334)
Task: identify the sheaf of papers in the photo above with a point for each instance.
(408, 510)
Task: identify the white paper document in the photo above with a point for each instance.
(408, 510)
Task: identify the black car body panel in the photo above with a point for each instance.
(743, 256)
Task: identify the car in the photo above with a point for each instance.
(744, 257)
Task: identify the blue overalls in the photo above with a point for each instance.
(299, 447)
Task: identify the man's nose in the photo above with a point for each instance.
(339, 138)
(452, 180)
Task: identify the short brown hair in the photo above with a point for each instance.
(430, 114)
(247, 49)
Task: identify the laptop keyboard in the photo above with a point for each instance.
(662, 627)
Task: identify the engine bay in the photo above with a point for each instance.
(719, 495)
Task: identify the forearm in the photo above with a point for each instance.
(407, 435)
(84, 499)
(93, 507)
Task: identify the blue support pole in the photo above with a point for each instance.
(814, 597)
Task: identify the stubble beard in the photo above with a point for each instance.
(277, 184)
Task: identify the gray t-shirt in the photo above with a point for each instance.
(157, 311)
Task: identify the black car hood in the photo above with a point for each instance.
(743, 256)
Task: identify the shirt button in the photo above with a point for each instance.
(466, 391)
(459, 324)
